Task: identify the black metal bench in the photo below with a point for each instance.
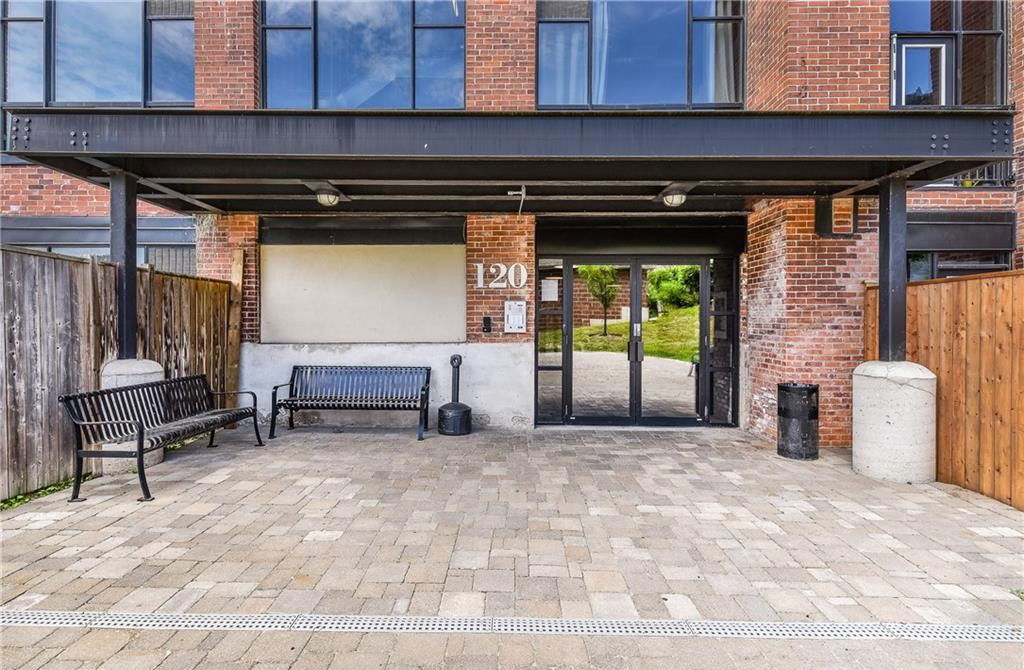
(146, 417)
(354, 387)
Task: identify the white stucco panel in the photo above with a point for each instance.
(497, 379)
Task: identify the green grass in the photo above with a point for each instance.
(673, 334)
(16, 501)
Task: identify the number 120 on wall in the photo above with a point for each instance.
(500, 275)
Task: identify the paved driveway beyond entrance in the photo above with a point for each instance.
(564, 523)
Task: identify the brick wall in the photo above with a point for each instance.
(502, 238)
(227, 54)
(31, 190)
(217, 238)
(802, 301)
(962, 198)
(500, 55)
(816, 57)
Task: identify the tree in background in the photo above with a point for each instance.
(600, 282)
(677, 286)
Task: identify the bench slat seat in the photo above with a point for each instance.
(354, 387)
(145, 417)
(182, 429)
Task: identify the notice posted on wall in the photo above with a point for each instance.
(549, 290)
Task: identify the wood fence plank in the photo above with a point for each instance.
(1017, 365)
(945, 386)
(958, 371)
(972, 390)
(1001, 378)
(986, 430)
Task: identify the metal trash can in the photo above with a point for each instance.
(455, 418)
(798, 421)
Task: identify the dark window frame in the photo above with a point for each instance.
(315, 64)
(690, 20)
(49, 61)
(956, 35)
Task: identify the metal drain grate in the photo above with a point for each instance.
(779, 630)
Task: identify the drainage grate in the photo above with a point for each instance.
(779, 630)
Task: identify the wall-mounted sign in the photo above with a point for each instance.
(500, 275)
(515, 316)
(549, 290)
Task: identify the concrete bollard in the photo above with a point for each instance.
(894, 421)
(125, 372)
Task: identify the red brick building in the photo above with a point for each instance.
(782, 282)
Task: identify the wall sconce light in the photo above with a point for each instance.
(674, 195)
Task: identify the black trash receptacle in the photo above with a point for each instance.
(798, 421)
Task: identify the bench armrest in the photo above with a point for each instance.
(248, 393)
(139, 427)
(280, 385)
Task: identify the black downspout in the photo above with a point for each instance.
(123, 233)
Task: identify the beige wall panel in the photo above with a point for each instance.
(363, 293)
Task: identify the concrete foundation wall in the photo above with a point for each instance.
(497, 379)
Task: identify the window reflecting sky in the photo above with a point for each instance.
(639, 52)
(98, 51)
(24, 61)
(922, 75)
(173, 61)
(288, 13)
(716, 62)
(365, 54)
(440, 58)
(562, 64)
(289, 69)
(920, 15)
(440, 12)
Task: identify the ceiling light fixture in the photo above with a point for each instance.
(674, 195)
(328, 197)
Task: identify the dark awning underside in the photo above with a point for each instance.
(594, 165)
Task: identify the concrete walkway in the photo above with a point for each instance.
(689, 524)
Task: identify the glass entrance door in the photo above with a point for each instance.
(600, 314)
(637, 340)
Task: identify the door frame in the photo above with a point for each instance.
(635, 357)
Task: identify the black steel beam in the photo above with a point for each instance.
(892, 270)
(937, 135)
(123, 252)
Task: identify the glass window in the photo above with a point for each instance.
(440, 12)
(639, 53)
(717, 62)
(25, 8)
(172, 61)
(367, 54)
(288, 12)
(289, 74)
(440, 58)
(920, 16)
(364, 54)
(98, 51)
(949, 52)
(562, 64)
(924, 70)
(23, 60)
(981, 65)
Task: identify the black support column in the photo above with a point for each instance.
(123, 232)
(892, 270)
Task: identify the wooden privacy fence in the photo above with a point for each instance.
(969, 331)
(59, 328)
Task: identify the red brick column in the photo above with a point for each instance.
(500, 55)
(498, 238)
(217, 238)
(227, 54)
(802, 309)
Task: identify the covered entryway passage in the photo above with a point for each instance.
(641, 192)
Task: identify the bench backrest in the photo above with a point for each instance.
(354, 382)
(153, 403)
